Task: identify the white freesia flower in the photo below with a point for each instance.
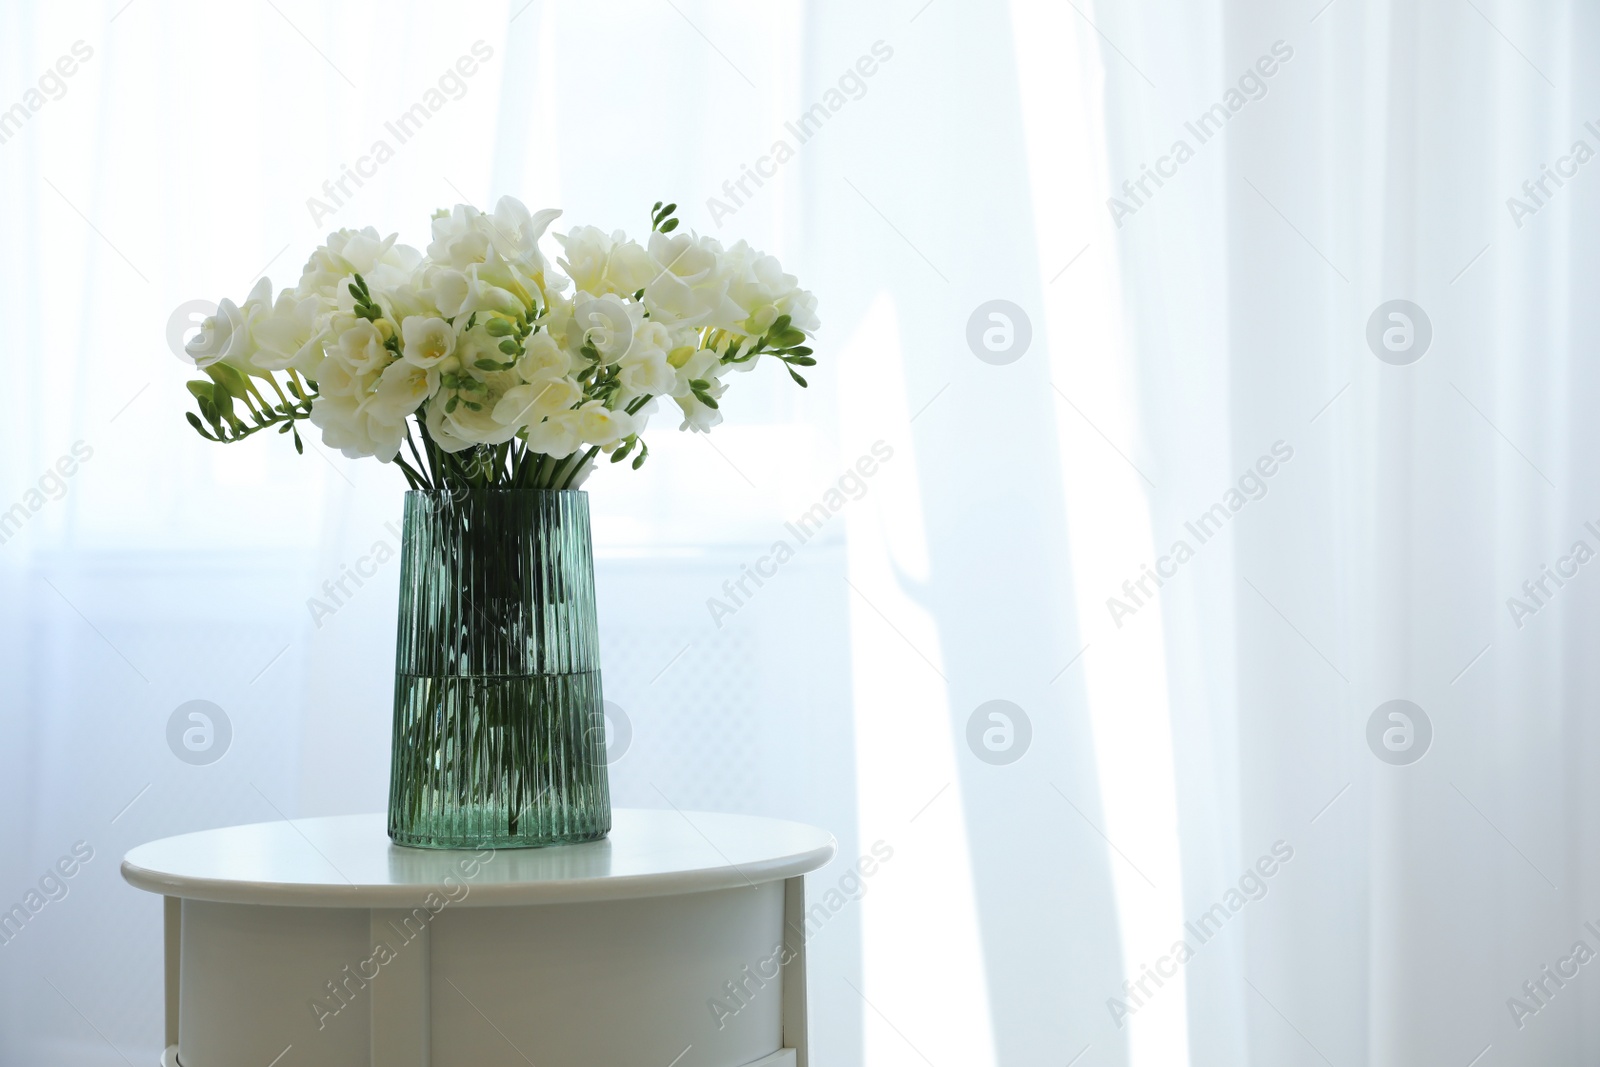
(543, 359)
(525, 405)
(691, 287)
(229, 335)
(600, 426)
(478, 345)
(644, 369)
(461, 292)
(703, 366)
(338, 380)
(646, 373)
(477, 341)
(220, 335)
(426, 341)
(358, 344)
(342, 425)
(365, 251)
(697, 416)
(506, 243)
(515, 235)
(763, 292)
(503, 274)
(386, 438)
(460, 237)
(604, 322)
(289, 336)
(380, 260)
(400, 391)
(598, 262)
(586, 254)
(557, 436)
(473, 421)
(556, 314)
(342, 412)
(410, 298)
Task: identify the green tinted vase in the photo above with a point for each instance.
(499, 729)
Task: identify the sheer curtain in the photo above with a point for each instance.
(1376, 164)
(1081, 745)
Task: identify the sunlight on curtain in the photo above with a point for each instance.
(1108, 524)
(908, 782)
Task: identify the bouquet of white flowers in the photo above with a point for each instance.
(510, 382)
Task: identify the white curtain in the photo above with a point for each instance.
(1203, 760)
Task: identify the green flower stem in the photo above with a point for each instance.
(413, 479)
(576, 469)
(273, 381)
(421, 466)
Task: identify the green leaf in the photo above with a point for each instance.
(779, 324)
(671, 224)
(795, 376)
(487, 364)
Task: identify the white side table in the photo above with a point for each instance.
(676, 942)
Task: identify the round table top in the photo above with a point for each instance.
(348, 861)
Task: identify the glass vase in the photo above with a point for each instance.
(499, 728)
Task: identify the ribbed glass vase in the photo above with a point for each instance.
(499, 729)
